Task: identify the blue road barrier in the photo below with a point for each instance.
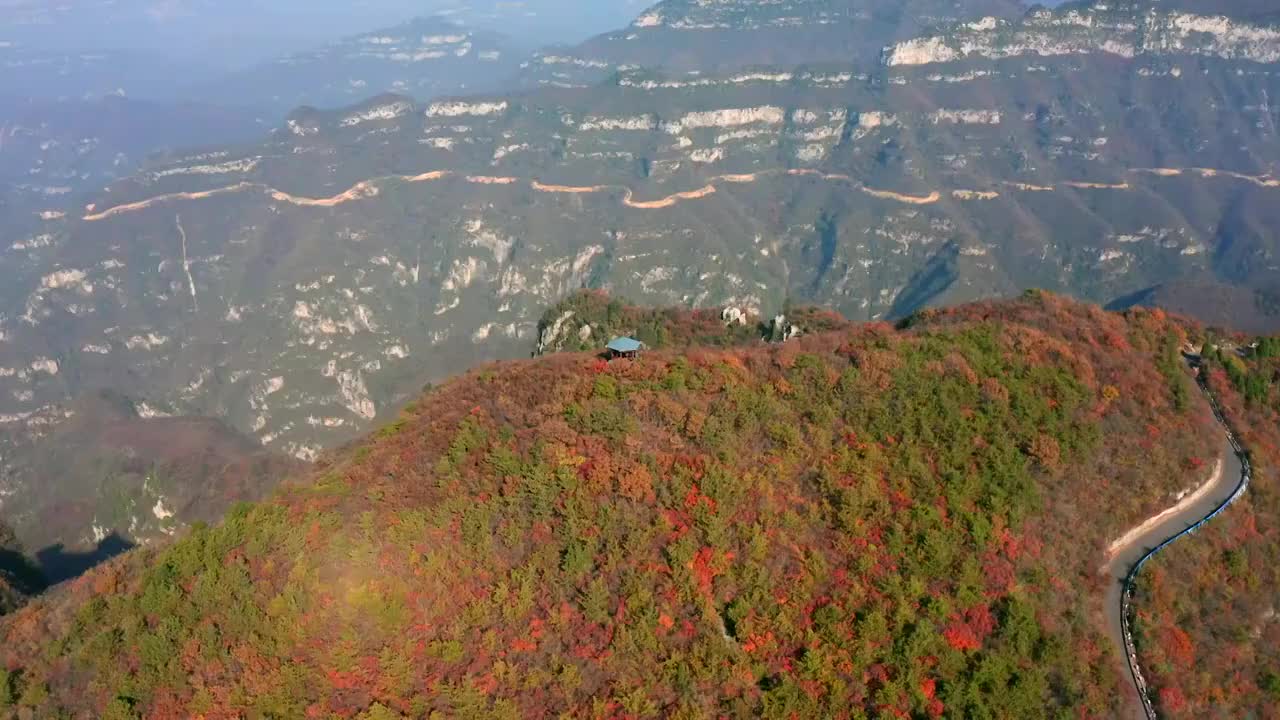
(1246, 472)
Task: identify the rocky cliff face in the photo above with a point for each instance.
(305, 287)
(687, 36)
(1125, 30)
(589, 319)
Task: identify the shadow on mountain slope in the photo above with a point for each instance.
(20, 572)
(60, 565)
(1251, 308)
(933, 279)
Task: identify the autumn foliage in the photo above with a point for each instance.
(586, 320)
(1208, 626)
(871, 522)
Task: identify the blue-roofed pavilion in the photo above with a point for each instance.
(624, 347)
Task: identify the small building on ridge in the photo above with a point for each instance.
(624, 347)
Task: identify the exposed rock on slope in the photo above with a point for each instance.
(305, 287)
(589, 319)
(688, 36)
(1126, 30)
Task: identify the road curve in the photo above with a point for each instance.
(1223, 487)
(366, 189)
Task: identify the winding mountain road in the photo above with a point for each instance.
(366, 189)
(1137, 544)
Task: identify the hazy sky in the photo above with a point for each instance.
(242, 32)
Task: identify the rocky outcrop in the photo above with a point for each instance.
(459, 109)
(551, 335)
(1125, 30)
(689, 36)
(734, 316)
(782, 330)
(388, 111)
(358, 260)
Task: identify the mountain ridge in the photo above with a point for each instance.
(676, 35)
(358, 254)
(423, 57)
(692, 543)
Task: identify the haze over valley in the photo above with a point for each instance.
(237, 240)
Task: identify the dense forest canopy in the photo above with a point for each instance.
(1208, 629)
(867, 522)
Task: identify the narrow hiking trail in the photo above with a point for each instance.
(1127, 555)
(370, 188)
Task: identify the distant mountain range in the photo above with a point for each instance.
(690, 36)
(58, 148)
(899, 517)
(236, 33)
(303, 288)
(71, 122)
(423, 58)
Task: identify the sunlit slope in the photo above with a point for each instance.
(1101, 150)
(870, 520)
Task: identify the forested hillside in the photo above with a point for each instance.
(1207, 608)
(870, 156)
(867, 522)
(588, 319)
